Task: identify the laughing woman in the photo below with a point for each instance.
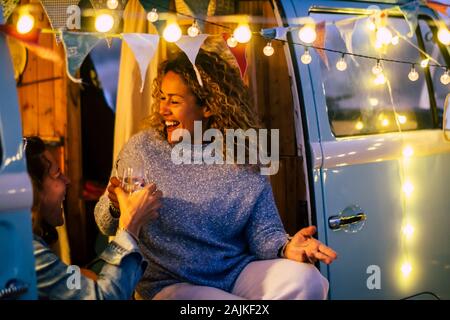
(219, 235)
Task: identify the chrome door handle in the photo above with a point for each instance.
(14, 288)
(337, 222)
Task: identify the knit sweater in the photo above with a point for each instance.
(214, 220)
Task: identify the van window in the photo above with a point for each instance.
(356, 104)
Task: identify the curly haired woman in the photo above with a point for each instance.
(219, 235)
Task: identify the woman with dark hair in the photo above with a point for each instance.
(124, 264)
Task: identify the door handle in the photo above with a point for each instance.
(14, 288)
(337, 222)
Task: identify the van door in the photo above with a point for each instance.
(17, 274)
(379, 157)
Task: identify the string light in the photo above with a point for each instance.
(193, 30)
(413, 75)
(445, 78)
(444, 35)
(359, 125)
(384, 35)
(25, 23)
(242, 33)
(153, 15)
(377, 69)
(112, 4)
(232, 42)
(408, 188)
(172, 32)
(341, 65)
(395, 40)
(380, 79)
(306, 57)
(268, 49)
(307, 34)
(406, 269)
(402, 119)
(104, 22)
(408, 151)
(424, 63)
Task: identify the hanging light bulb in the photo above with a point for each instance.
(371, 25)
(232, 42)
(306, 57)
(445, 78)
(395, 40)
(384, 35)
(424, 63)
(307, 33)
(413, 75)
(112, 4)
(104, 22)
(25, 23)
(380, 79)
(444, 35)
(268, 49)
(242, 33)
(193, 30)
(377, 69)
(341, 65)
(153, 16)
(172, 32)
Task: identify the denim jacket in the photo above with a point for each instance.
(117, 279)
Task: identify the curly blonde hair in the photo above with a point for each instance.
(223, 92)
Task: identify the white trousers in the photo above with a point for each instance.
(277, 279)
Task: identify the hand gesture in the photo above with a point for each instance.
(304, 248)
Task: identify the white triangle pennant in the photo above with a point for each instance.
(144, 47)
(346, 28)
(191, 46)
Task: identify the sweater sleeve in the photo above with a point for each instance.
(265, 232)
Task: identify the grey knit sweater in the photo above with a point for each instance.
(215, 219)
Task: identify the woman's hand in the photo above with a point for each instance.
(138, 208)
(304, 248)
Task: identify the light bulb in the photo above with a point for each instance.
(104, 22)
(25, 23)
(153, 16)
(242, 33)
(380, 79)
(359, 125)
(384, 35)
(408, 151)
(306, 57)
(268, 49)
(445, 78)
(444, 36)
(406, 269)
(371, 25)
(424, 63)
(112, 4)
(232, 42)
(408, 188)
(341, 65)
(395, 40)
(385, 122)
(408, 231)
(172, 32)
(413, 75)
(377, 69)
(193, 30)
(307, 34)
(402, 119)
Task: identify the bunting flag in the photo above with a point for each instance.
(191, 46)
(320, 42)
(144, 47)
(275, 33)
(439, 7)
(8, 8)
(195, 8)
(31, 41)
(56, 11)
(346, 27)
(162, 6)
(239, 53)
(77, 46)
(411, 11)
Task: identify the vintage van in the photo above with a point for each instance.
(367, 164)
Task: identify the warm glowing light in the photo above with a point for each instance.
(341, 65)
(307, 34)
(402, 119)
(384, 35)
(193, 30)
(380, 79)
(408, 188)
(112, 4)
(373, 102)
(242, 33)
(359, 125)
(378, 44)
(408, 231)
(25, 23)
(153, 16)
(445, 78)
(408, 152)
(104, 22)
(232, 42)
(385, 122)
(444, 36)
(172, 33)
(424, 63)
(406, 269)
(413, 75)
(268, 49)
(377, 69)
(371, 25)
(306, 57)
(395, 40)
